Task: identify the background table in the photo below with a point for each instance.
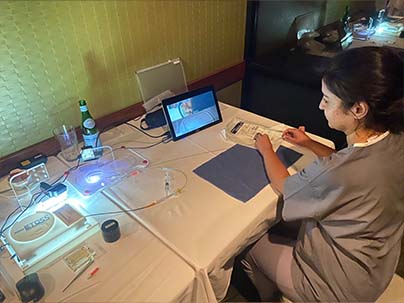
(380, 39)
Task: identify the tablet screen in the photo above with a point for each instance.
(191, 112)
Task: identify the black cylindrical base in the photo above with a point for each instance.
(110, 231)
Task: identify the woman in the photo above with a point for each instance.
(350, 202)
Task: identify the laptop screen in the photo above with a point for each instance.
(191, 112)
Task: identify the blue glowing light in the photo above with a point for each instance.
(93, 179)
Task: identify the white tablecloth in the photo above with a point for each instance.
(203, 224)
(139, 267)
(380, 40)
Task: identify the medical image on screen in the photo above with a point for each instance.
(193, 113)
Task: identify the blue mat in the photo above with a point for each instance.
(240, 171)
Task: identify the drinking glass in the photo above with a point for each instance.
(67, 138)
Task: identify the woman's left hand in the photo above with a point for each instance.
(263, 143)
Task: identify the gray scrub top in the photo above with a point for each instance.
(352, 206)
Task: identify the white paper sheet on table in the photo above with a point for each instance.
(243, 132)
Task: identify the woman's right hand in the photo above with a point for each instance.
(296, 136)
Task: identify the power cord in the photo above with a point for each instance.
(104, 130)
(166, 138)
(143, 147)
(145, 133)
(31, 202)
(34, 197)
(138, 208)
(158, 201)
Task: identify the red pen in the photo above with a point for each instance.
(93, 272)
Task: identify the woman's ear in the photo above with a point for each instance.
(360, 110)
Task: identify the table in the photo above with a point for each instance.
(380, 39)
(139, 267)
(204, 225)
(181, 249)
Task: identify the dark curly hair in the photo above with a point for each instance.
(374, 75)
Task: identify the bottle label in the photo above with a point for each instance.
(90, 140)
(89, 123)
(83, 108)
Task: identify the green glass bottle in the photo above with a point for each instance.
(345, 19)
(89, 129)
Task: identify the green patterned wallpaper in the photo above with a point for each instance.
(53, 53)
(335, 9)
